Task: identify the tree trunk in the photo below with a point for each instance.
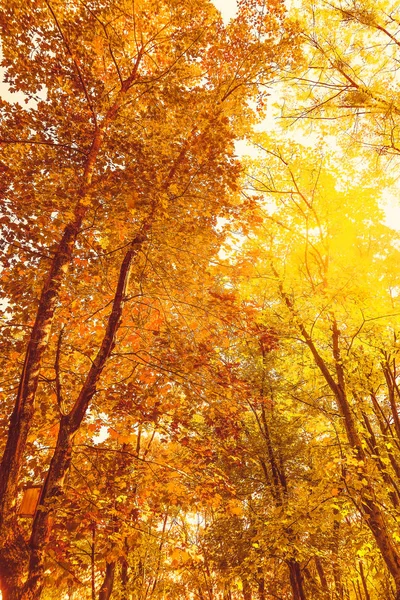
(364, 582)
(296, 580)
(390, 483)
(124, 577)
(22, 414)
(392, 388)
(69, 424)
(322, 577)
(108, 582)
(247, 593)
(261, 585)
(369, 508)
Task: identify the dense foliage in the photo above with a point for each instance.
(199, 354)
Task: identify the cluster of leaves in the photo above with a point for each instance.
(199, 357)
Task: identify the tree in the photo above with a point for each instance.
(349, 82)
(126, 148)
(328, 258)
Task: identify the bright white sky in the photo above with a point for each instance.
(227, 8)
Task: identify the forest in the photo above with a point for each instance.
(200, 300)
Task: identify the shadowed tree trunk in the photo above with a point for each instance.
(108, 582)
(296, 580)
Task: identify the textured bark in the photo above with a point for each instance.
(296, 580)
(108, 582)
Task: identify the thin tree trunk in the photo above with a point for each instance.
(261, 585)
(369, 508)
(391, 385)
(364, 582)
(279, 483)
(322, 576)
(124, 576)
(247, 593)
(357, 591)
(93, 561)
(22, 414)
(372, 443)
(336, 570)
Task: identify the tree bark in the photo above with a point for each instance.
(322, 577)
(296, 580)
(23, 411)
(373, 445)
(108, 582)
(364, 582)
(261, 586)
(247, 593)
(124, 576)
(392, 388)
(22, 414)
(12, 561)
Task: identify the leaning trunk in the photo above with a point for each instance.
(69, 425)
(23, 411)
(370, 509)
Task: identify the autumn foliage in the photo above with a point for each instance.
(199, 383)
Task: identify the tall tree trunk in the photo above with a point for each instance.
(322, 577)
(261, 585)
(393, 391)
(22, 414)
(69, 424)
(364, 582)
(373, 445)
(108, 582)
(296, 580)
(23, 411)
(124, 577)
(336, 570)
(12, 571)
(247, 593)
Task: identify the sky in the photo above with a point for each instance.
(227, 8)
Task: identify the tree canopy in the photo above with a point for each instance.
(199, 352)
